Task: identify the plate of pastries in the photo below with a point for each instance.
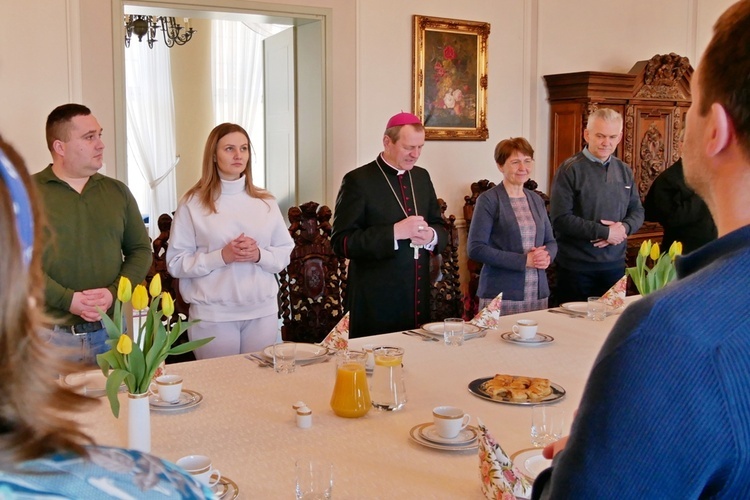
(516, 389)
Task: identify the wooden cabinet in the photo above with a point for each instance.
(652, 97)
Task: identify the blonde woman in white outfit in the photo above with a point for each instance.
(228, 240)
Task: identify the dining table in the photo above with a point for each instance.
(246, 424)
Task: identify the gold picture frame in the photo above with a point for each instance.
(450, 78)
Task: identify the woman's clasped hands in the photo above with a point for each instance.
(538, 258)
(241, 249)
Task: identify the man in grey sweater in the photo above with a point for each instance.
(594, 207)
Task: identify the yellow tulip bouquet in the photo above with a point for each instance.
(134, 363)
(649, 279)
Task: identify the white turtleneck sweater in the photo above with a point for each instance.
(238, 291)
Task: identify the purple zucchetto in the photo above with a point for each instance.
(403, 119)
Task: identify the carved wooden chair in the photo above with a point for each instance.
(471, 301)
(168, 282)
(312, 287)
(446, 300)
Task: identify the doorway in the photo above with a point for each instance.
(296, 163)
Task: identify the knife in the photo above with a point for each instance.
(572, 314)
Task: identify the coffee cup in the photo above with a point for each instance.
(169, 387)
(449, 421)
(201, 469)
(525, 329)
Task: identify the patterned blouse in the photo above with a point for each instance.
(531, 284)
(107, 473)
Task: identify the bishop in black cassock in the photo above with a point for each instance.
(388, 289)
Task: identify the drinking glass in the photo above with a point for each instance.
(314, 479)
(546, 425)
(284, 357)
(596, 310)
(453, 331)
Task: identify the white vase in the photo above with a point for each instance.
(139, 422)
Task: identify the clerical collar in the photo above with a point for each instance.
(399, 171)
(593, 158)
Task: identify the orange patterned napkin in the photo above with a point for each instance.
(489, 317)
(615, 296)
(500, 478)
(338, 338)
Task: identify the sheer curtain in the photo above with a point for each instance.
(152, 153)
(237, 76)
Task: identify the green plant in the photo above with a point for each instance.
(134, 363)
(662, 271)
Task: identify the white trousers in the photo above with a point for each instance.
(235, 337)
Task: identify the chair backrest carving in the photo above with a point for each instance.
(312, 287)
(471, 301)
(168, 282)
(445, 295)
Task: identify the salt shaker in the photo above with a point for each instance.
(304, 417)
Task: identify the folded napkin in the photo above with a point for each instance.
(500, 478)
(615, 296)
(489, 317)
(338, 338)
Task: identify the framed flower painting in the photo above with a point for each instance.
(450, 78)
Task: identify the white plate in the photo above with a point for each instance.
(582, 308)
(530, 462)
(436, 330)
(465, 436)
(188, 399)
(415, 435)
(91, 383)
(305, 353)
(539, 339)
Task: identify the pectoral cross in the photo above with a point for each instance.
(416, 250)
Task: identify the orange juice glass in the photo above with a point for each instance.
(351, 395)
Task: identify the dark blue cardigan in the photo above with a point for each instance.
(495, 240)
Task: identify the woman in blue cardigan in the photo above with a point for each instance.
(511, 235)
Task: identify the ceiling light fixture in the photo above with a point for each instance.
(147, 26)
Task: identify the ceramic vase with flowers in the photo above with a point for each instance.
(135, 363)
(662, 271)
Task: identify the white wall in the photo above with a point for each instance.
(371, 51)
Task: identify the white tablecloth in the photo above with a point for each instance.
(247, 425)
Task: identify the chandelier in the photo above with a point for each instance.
(148, 25)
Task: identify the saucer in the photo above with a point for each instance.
(530, 462)
(188, 399)
(225, 488)
(465, 436)
(539, 338)
(415, 435)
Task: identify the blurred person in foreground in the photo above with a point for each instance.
(96, 234)
(387, 222)
(43, 452)
(228, 241)
(511, 235)
(666, 410)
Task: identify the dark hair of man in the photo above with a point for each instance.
(58, 122)
(507, 147)
(725, 70)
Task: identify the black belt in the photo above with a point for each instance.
(82, 328)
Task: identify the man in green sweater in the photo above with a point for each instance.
(95, 233)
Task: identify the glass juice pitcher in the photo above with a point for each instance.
(388, 390)
(351, 396)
